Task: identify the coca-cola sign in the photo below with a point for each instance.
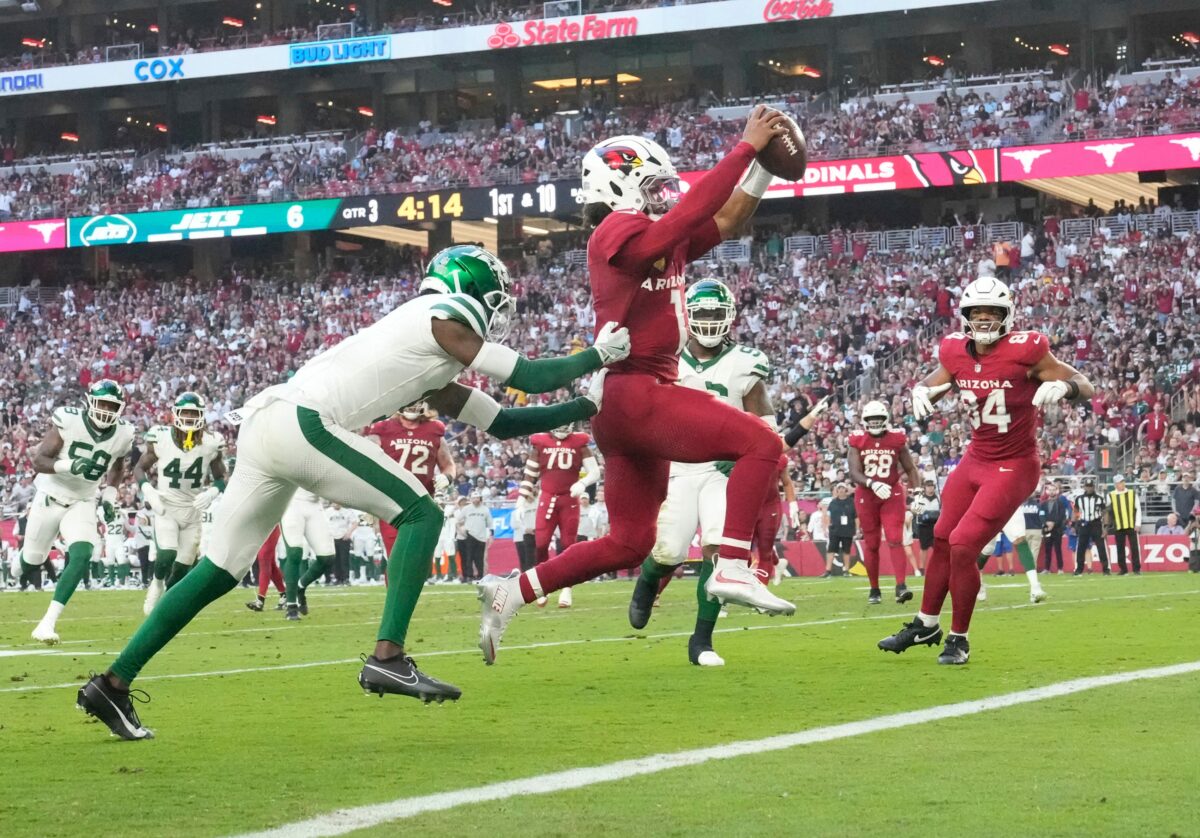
(777, 10)
(562, 31)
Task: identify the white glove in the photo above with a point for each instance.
(1050, 392)
(204, 500)
(440, 483)
(595, 391)
(822, 406)
(794, 514)
(577, 489)
(152, 497)
(612, 343)
(882, 490)
(922, 399)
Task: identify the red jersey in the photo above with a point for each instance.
(647, 299)
(997, 392)
(560, 460)
(415, 449)
(880, 455)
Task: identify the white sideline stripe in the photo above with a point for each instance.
(361, 817)
(552, 644)
(17, 653)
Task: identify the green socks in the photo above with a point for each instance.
(706, 609)
(291, 573)
(178, 571)
(316, 570)
(78, 556)
(1025, 556)
(417, 531)
(653, 571)
(163, 559)
(122, 573)
(174, 611)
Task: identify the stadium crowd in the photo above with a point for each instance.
(1167, 106)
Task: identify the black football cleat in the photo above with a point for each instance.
(255, 605)
(302, 601)
(903, 594)
(645, 591)
(293, 613)
(400, 676)
(100, 699)
(915, 633)
(874, 597)
(956, 651)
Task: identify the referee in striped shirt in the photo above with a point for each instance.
(1090, 527)
(1126, 519)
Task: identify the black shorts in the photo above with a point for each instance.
(840, 544)
(924, 534)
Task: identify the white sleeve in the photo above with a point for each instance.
(591, 471)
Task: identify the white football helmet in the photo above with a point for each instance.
(990, 292)
(630, 173)
(876, 418)
(415, 412)
(564, 431)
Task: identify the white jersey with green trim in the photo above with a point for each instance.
(386, 366)
(181, 474)
(81, 439)
(729, 376)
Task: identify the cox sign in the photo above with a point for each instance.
(159, 69)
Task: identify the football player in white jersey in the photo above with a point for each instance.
(80, 448)
(304, 522)
(696, 492)
(116, 550)
(184, 455)
(303, 434)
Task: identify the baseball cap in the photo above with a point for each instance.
(1120, 478)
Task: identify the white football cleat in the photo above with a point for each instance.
(153, 593)
(709, 658)
(982, 595)
(1038, 595)
(500, 598)
(541, 602)
(564, 598)
(734, 581)
(45, 633)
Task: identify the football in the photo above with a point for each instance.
(786, 156)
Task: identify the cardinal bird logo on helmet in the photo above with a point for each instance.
(621, 159)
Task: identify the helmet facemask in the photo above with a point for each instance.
(660, 194)
(104, 413)
(563, 432)
(875, 418)
(710, 324)
(415, 412)
(985, 332)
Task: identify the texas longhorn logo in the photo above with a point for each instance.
(621, 159)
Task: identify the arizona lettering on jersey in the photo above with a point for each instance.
(181, 473)
(560, 460)
(997, 392)
(81, 440)
(415, 449)
(651, 303)
(880, 455)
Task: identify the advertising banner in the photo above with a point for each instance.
(1101, 157)
(194, 224)
(49, 234)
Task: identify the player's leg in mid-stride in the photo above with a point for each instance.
(1014, 531)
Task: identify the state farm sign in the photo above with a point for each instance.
(563, 31)
(777, 10)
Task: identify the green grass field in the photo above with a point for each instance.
(290, 736)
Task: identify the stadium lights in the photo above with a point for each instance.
(265, 119)
(36, 43)
(934, 60)
(537, 231)
(1191, 37)
(233, 21)
(1060, 49)
(160, 127)
(487, 219)
(569, 83)
(365, 111)
(446, 3)
(69, 137)
(152, 28)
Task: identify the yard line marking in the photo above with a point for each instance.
(362, 817)
(552, 644)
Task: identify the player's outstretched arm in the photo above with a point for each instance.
(800, 429)
(1060, 381)
(141, 475)
(542, 375)
(929, 391)
(479, 409)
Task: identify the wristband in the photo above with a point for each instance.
(220, 484)
(63, 466)
(1072, 390)
(756, 180)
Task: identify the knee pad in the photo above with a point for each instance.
(34, 560)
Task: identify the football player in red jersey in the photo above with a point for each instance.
(766, 530)
(878, 455)
(637, 254)
(557, 459)
(414, 440)
(1002, 378)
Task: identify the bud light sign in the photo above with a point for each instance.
(339, 52)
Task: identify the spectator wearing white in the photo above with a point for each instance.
(1171, 527)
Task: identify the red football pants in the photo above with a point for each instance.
(978, 499)
(874, 516)
(268, 568)
(644, 426)
(555, 512)
(766, 530)
(388, 534)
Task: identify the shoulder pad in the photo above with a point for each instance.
(438, 425)
(464, 309)
(540, 440)
(856, 439)
(59, 416)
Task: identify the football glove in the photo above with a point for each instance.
(612, 343)
(151, 496)
(108, 503)
(595, 391)
(922, 399)
(821, 406)
(882, 490)
(577, 489)
(440, 483)
(794, 514)
(1050, 392)
(204, 500)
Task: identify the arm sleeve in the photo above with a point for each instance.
(795, 434)
(591, 471)
(690, 219)
(545, 375)
(522, 421)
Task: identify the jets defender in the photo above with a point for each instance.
(81, 447)
(304, 435)
(184, 455)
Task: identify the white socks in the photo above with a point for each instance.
(927, 620)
